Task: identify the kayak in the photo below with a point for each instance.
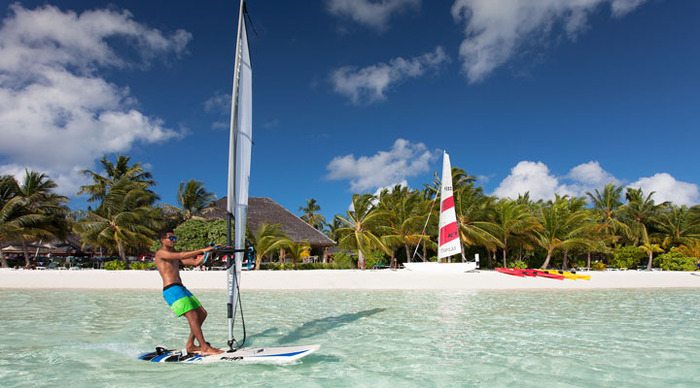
(511, 271)
(568, 275)
(544, 274)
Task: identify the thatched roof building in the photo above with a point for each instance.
(265, 210)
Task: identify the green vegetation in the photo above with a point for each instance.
(676, 261)
(613, 226)
(627, 257)
(115, 265)
(196, 233)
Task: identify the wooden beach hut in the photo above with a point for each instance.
(263, 210)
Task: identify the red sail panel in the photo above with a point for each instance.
(448, 203)
(449, 232)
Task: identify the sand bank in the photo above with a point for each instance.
(342, 280)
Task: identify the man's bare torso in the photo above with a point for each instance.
(169, 270)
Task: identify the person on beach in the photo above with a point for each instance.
(179, 298)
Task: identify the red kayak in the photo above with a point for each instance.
(511, 271)
(529, 272)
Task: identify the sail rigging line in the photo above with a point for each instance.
(246, 13)
(432, 205)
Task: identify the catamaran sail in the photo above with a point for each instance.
(448, 237)
(240, 145)
(448, 241)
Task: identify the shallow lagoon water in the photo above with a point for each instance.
(368, 338)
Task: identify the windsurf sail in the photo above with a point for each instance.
(448, 241)
(240, 146)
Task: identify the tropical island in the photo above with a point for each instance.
(614, 227)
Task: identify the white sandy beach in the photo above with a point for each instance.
(341, 280)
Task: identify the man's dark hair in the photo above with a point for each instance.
(165, 234)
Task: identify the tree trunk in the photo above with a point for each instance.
(588, 265)
(505, 250)
(408, 253)
(25, 249)
(258, 261)
(3, 260)
(122, 254)
(651, 255)
(425, 253)
(565, 264)
(360, 259)
(283, 256)
(326, 253)
(546, 261)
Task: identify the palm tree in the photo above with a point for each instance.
(113, 173)
(267, 239)
(311, 215)
(641, 212)
(403, 220)
(298, 251)
(678, 226)
(512, 219)
(12, 217)
(564, 224)
(193, 197)
(607, 206)
(649, 248)
(474, 211)
(49, 210)
(359, 230)
(124, 221)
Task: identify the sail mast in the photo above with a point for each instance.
(448, 241)
(240, 144)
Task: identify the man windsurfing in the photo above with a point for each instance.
(179, 298)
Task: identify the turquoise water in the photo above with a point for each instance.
(379, 338)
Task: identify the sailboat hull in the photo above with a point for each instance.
(432, 267)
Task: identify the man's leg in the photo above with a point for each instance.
(201, 316)
(195, 319)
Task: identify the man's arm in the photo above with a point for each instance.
(187, 258)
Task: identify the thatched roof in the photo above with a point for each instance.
(265, 210)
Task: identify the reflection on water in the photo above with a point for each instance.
(380, 338)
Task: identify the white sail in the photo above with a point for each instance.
(240, 144)
(448, 237)
(448, 241)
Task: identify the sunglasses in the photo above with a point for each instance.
(172, 238)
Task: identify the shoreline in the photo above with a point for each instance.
(340, 280)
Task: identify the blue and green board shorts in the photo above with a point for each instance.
(180, 299)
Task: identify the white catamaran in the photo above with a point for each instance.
(240, 147)
(448, 237)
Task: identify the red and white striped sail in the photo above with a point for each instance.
(448, 240)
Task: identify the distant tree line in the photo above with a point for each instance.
(611, 226)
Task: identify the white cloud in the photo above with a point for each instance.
(496, 29)
(219, 105)
(373, 14)
(667, 188)
(541, 183)
(368, 84)
(587, 177)
(57, 115)
(385, 168)
(532, 177)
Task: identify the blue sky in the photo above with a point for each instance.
(351, 96)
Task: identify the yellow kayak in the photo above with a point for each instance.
(568, 275)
